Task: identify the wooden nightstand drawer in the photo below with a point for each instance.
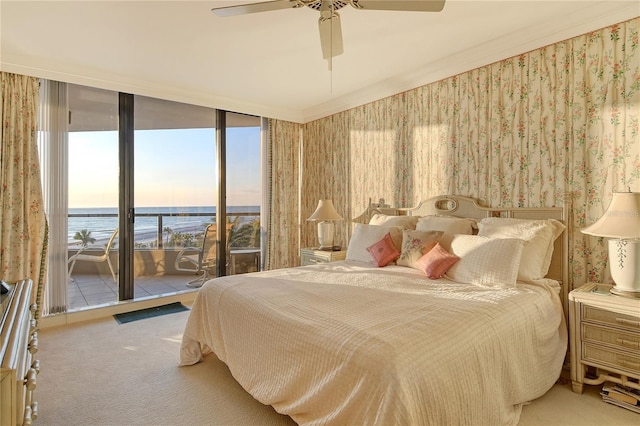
(624, 361)
(604, 337)
(618, 339)
(309, 256)
(590, 313)
(309, 259)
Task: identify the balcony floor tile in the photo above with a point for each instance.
(87, 290)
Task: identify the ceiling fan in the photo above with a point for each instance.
(329, 21)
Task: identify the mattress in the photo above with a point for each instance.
(350, 343)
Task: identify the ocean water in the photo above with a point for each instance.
(179, 219)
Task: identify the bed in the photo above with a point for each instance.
(371, 341)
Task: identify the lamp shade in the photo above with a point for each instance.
(325, 211)
(621, 220)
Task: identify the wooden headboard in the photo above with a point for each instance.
(459, 206)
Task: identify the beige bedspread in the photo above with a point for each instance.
(347, 343)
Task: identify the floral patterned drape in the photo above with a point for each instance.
(283, 233)
(23, 228)
(329, 155)
(522, 132)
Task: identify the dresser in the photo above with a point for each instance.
(18, 365)
(605, 337)
(312, 256)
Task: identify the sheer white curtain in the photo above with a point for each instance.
(265, 210)
(53, 148)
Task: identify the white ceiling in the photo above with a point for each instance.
(270, 63)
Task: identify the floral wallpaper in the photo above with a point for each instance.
(528, 131)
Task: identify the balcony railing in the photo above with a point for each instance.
(159, 240)
(154, 255)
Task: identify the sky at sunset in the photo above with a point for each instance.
(175, 167)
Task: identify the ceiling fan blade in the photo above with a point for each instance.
(410, 5)
(265, 6)
(331, 36)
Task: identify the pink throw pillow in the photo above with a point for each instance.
(384, 251)
(436, 262)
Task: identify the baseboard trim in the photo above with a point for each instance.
(110, 309)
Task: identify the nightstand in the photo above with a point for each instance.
(605, 337)
(312, 256)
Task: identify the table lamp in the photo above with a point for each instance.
(325, 214)
(621, 224)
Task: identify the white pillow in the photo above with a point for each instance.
(405, 222)
(366, 235)
(447, 224)
(539, 236)
(484, 261)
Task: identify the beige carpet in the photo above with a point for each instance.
(103, 373)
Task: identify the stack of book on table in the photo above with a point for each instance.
(621, 396)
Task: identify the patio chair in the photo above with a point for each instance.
(99, 257)
(202, 259)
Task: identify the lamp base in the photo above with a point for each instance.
(631, 294)
(325, 235)
(624, 264)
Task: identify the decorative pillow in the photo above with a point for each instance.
(404, 222)
(447, 224)
(384, 252)
(436, 262)
(484, 261)
(415, 244)
(539, 236)
(367, 235)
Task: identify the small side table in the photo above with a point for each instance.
(605, 337)
(240, 257)
(313, 256)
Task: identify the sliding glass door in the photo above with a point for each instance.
(147, 179)
(243, 192)
(93, 194)
(174, 183)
